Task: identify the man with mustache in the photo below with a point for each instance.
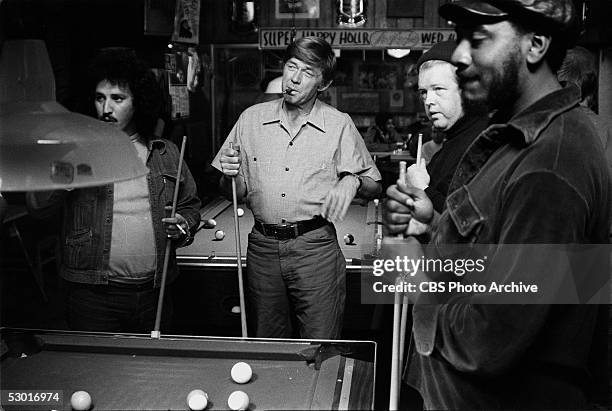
(114, 236)
(301, 163)
(536, 176)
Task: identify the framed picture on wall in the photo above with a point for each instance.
(300, 9)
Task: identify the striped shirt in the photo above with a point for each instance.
(287, 177)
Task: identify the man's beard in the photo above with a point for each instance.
(502, 90)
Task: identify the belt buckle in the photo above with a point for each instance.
(285, 231)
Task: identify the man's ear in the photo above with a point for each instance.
(538, 46)
(324, 86)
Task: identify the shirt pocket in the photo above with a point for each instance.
(317, 179)
(464, 218)
(258, 172)
(82, 215)
(167, 184)
(78, 251)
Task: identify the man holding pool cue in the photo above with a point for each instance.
(114, 236)
(301, 163)
(515, 189)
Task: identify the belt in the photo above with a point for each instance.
(137, 287)
(288, 231)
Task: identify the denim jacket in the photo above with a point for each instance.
(540, 178)
(88, 218)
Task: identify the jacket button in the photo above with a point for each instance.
(286, 168)
(108, 220)
(283, 195)
(291, 143)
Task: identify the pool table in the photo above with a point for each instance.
(137, 372)
(362, 221)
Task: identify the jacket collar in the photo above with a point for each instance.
(534, 119)
(157, 143)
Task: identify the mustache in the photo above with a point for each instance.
(108, 118)
(464, 77)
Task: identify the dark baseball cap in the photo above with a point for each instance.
(551, 15)
(440, 51)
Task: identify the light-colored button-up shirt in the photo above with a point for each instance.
(288, 177)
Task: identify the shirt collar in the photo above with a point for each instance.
(274, 115)
(315, 118)
(534, 119)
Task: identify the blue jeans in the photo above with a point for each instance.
(109, 308)
(301, 280)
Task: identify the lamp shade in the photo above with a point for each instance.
(43, 146)
(25, 72)
(275, 86)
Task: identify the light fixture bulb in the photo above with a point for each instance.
(398, 53)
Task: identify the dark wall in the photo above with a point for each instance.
(74, 29)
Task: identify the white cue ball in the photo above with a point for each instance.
(240, 212)
(219, 235)
(241, 372)
(80, 401)
(238, 400)
(197, 400)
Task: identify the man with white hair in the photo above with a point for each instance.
(439, 90)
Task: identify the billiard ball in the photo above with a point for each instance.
(197, 400)
(219, 235)
(241, 372)
(238, 400)
(348, 239)
(210, 223)
(240, 212)
(80, 401)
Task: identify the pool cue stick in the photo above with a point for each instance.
(397, 319)
(419, 149)
(243, 322)
(395, 386)
(402, 342)
(162, 288)
(405, 299)
(404, 304)
(378, 228)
